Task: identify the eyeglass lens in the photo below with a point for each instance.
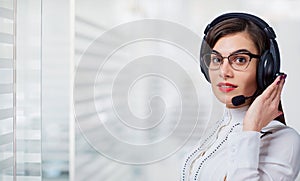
(239, 61)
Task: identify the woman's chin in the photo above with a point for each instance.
(226, 101)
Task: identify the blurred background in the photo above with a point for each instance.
(42, 43)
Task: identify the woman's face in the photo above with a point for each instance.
(226, 82)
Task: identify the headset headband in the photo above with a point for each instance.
(258, 21)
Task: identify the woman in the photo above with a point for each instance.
(240, 57)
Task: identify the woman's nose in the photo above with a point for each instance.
(226, 69)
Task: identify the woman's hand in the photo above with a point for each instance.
(265, 107)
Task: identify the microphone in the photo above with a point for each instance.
(239, 100)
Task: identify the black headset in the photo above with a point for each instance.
(269, 63)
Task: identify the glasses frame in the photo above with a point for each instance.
(251, 55)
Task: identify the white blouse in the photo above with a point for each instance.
(228, 153)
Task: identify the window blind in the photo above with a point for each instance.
(28, 91)
(7, 95)
(90, 165)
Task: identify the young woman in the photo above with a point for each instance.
(240, 58)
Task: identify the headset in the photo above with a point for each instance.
(269, 63)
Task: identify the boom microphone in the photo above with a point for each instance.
(239, 100)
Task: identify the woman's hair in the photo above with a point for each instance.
(236, 25)
(256, 34)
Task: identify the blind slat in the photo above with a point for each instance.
(6, 51)
(6, 138)
(6, 63)
(29, 178)
(6, 38)
(6, 13)
(89, 23)
(4, 164)
(6, 113)
(6, 88)
(24, 158)
(29, 135)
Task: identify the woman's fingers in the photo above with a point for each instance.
(270, 92)
(276, 96)
(280, 86)
(273, 91)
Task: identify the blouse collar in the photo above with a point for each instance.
(235, 115)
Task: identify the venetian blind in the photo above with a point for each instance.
(7, 96)
(28, 91)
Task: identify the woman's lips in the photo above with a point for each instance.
(226, 87)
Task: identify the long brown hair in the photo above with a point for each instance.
(256, 34)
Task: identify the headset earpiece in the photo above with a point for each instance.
(205, 48)
(268, 66)
(264, 71)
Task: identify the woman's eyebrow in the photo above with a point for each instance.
(236, 51)
(241, 50)
(215, 51)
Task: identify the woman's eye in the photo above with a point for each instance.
(215, 59)
(240, 60)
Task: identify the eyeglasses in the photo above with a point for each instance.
(238, 61)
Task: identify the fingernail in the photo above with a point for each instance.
(282, 77)
(278, 83)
